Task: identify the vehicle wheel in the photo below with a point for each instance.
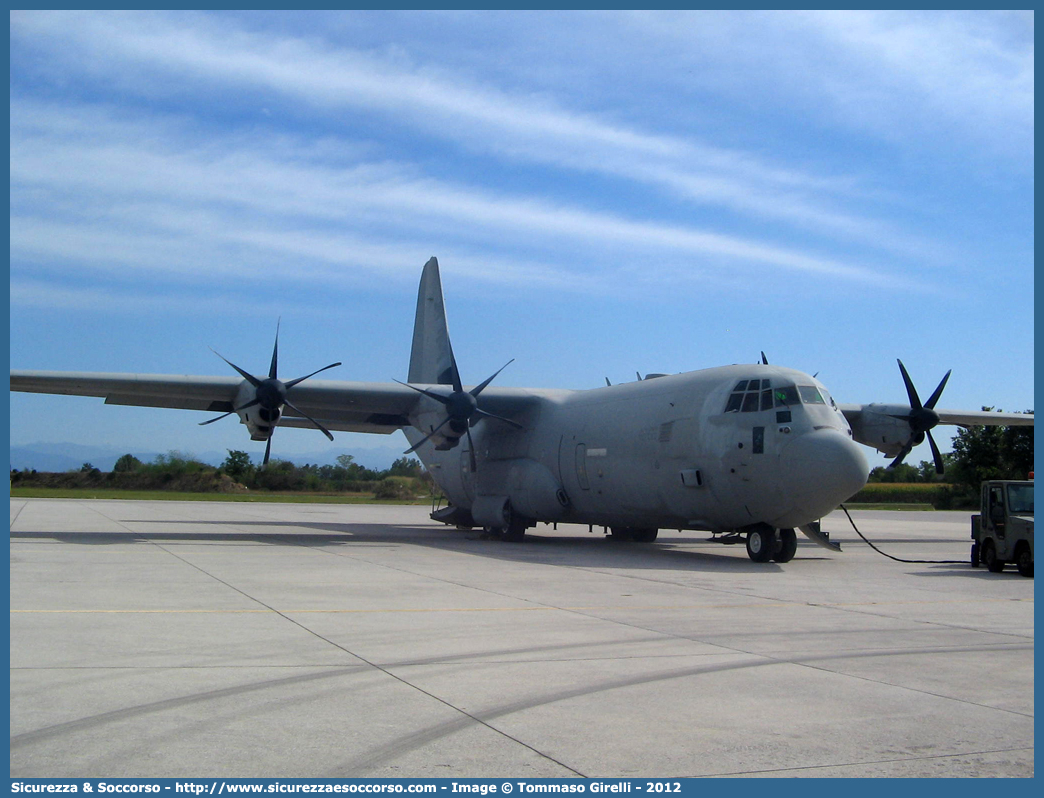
(989, 556)
(644, 535)
(787, 546)
(620, 534)
(516, 531)
(975, 555)
(761, 543)
(1024, 560)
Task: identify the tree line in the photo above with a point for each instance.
(175, 471)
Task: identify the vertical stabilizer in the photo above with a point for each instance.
(431, 358)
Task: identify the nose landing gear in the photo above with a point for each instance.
(765, 543)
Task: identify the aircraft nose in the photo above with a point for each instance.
(821, 469)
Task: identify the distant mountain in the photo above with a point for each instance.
(58, 457)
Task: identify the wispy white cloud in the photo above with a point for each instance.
(168, 55)
(231, 207)
(930, 82)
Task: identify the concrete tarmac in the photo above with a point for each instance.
(180, 639)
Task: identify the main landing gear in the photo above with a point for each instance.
(514, 532)
(765, 543)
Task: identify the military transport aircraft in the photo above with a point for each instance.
(748, 452)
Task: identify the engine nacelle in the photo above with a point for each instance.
(447, 437)
(260, 421)
(877, 426)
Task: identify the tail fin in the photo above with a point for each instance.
(431, 358)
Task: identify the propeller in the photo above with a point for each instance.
(462, 408)
(271, 395)
(921, 419)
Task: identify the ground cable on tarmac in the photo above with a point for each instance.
(898, 559)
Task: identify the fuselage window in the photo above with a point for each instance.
(750, 402)
(810, 395)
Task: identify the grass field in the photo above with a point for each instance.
(876, 496)
(171, 495)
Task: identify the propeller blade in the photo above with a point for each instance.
(251, 403)
(273, 369)
(935, 454)
(425, 439)
(764, 360)
(246, 376)
(902, 455)
(204, 423)
(911, 392)
(471, 452)
(482, 385)
(318, 426)
(486, 414)
(268, 452)
(455, 376)
(930, 404)
(292, 383)
(921, 418)
(437, 397)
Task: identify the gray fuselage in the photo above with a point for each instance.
(684, 451)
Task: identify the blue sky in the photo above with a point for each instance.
(606, 192)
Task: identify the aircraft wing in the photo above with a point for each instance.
(344, 406)
(894, 429)
(974, 418)
(961, 418)
(375, 407)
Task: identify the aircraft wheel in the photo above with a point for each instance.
(975, 555)
(644, 535)
(620, 533)
(516, 531)
(787, 546)
(1024, 560)
(989, 556)
(761, 543)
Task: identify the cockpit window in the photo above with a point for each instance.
(750, 396)
(786, 396)
(810, 395)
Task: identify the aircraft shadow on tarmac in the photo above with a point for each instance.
(586, 550)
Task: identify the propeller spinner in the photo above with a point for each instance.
(270, 395)
(921, 418)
